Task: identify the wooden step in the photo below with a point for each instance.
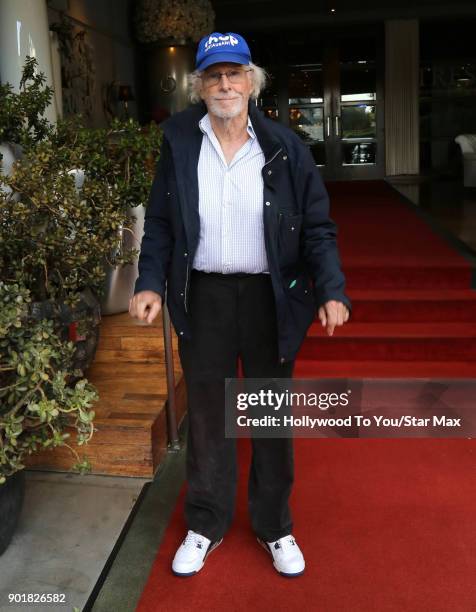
(130, 422)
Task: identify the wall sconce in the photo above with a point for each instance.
(125, 95)
(113, 94)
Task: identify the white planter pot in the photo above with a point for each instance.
(120, 280)
(10, 153)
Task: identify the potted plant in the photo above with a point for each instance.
(58, 237)
(38, 402)
(72, 231)
(124, 155)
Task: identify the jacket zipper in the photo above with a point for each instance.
(268, 162)
(186, 287)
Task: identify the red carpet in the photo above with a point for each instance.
(385, 525)
(414, 313)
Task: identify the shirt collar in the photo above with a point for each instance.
(206, 126)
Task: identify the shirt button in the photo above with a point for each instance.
(185, 254)
(285, 157)
(270, 172)
(181, 333)
(268, 203)
(292, 229)
(181, 294)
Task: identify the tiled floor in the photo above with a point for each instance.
(68, 527)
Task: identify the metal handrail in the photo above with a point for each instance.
(170, 405)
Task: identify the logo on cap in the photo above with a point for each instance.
(220, 41)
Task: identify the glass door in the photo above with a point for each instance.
(306, 107)
(330, 93)
(356, 112)
(297, 94)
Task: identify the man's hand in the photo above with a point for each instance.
(333, 313)
(145, 305)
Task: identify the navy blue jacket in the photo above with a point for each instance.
(300, 238)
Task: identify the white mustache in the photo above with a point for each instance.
(227, 98)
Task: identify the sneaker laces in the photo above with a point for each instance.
(284, 544)
(195, 540)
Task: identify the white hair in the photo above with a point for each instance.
(258, 76)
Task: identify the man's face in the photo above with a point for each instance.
(226, 98)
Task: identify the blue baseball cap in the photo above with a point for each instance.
(215, 48)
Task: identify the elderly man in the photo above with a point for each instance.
(237, 235)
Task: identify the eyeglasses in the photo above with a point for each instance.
(235, 76)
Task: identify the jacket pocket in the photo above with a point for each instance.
(301, 307)
(289, 231)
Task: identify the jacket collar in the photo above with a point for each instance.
(263, 129)
(183, 130)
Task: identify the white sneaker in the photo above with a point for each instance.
(191, 554)
(287, 556)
